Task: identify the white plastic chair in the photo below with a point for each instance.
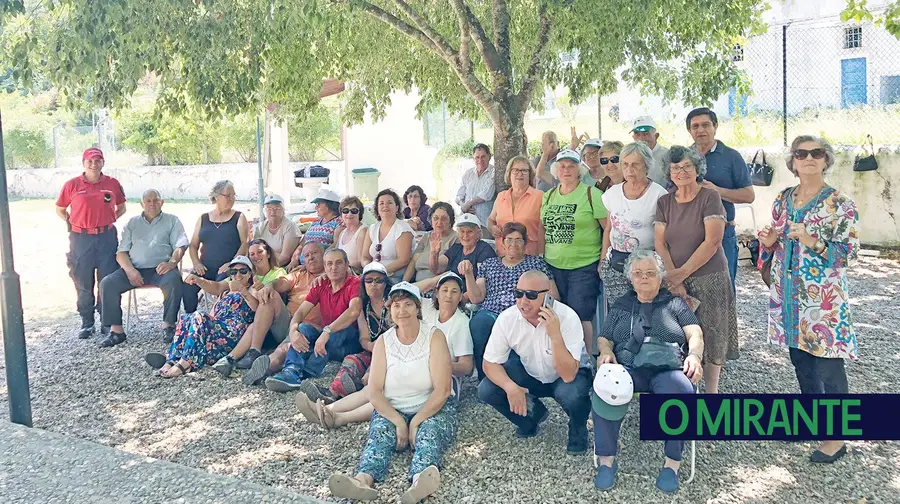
(132, 308)
(747, 206)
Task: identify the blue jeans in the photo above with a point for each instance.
(341, 344)
(730, 246)
(480, 326)
(606, 432)
(573, 397)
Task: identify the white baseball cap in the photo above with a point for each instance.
(450, 276)
(273, 199)
(374, 267)
(643, 123)
(407, 287)
(242, 260)
(326, 195)
(592, 142)
(613, 391)
(468, 219)
(568, 154)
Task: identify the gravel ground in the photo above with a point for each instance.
(219, 426)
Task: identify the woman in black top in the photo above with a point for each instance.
(654, 313)
(219, 235)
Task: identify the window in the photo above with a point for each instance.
(852, 37)
(737, 53)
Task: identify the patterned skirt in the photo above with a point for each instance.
(717, 315)
(615, 285)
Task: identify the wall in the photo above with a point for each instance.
(174, 182)
(875, 194)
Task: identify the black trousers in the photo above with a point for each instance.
(818, 375)
(90, 257)
(113, 286)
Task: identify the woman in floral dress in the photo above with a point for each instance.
(204, 338)
(810, 243)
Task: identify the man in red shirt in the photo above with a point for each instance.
(310, 348)
(90, 204)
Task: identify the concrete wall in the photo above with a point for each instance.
(875, 194)
(174, 182)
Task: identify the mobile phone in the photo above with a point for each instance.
(548, 301)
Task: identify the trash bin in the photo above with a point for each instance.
(365, 183)
(310, 179)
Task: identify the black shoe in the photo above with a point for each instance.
(316, 392)
(247, 360)
(85, 332)
(541, 413)
(168, 335)
(112, 340)
(578, 440)
(258, 370)
(104, 330)
(224, 366)
(819, 457)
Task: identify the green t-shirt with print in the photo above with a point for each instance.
(573, 238)
(271, 276)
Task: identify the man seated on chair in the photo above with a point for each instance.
(274, 324)
(645, 331)
(152, 245)
(308, 348)
(536, 349)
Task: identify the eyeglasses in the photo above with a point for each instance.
(376, 280)
(353, 211)
(645, 274)
(530, 294)
(681, 168)
(238, 271)
(520, 170)
(513, 241)
(590, 154)
(607, 160)
(229, 196)
(801, 154)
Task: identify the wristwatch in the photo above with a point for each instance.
(326, 329)
(819, 247)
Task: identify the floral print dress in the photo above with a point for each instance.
(809, 305)
(202, 338)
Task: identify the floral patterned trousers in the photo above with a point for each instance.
(433, 438)
(201, 339)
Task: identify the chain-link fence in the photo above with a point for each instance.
(57, 146)
(824, 77)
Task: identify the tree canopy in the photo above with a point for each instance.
(483, 58)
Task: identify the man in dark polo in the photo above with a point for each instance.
(152, 245)
(726, 172)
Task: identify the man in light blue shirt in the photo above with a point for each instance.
(151, 247)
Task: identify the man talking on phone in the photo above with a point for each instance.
(536, 350)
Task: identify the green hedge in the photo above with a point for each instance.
(26, 149)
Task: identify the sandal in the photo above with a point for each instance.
(157, 360)
(182, 370)
(166, 367)
(307, 408)
(326, 416)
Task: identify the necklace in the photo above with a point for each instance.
(800, 199)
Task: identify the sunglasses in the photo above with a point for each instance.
(801, 154)
(377, 252)
(354, 211)
(376, 280)
(238, 271)
(530, 294)
(607, 160)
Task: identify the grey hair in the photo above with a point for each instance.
(829, 152)
(317, 244)
(678, 153)
(640, 148)
(149, 192)
(217, 189)
(642, 255)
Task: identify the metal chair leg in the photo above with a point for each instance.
(693, 461)
(132, 307)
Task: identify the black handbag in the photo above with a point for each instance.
(617, 260)
(866, 162)
(761, 173)
(650, 354)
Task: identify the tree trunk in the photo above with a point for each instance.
(509, 141)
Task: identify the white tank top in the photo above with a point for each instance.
(351, 247)
(407, 382)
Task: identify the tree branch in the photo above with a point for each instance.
(485, 47)
(500, 14)
(426, 29)
(531, 75)
(396, 23)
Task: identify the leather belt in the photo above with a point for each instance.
(91, 231)
(729, 223)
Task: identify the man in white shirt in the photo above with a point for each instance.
(477, 191)
(538, 351)
(643, 129)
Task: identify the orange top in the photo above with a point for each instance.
(301, 284)
(527, 213)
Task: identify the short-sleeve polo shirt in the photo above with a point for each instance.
(91, 205)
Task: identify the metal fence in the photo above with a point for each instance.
(822, 77)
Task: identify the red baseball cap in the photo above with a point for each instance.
(92, 153)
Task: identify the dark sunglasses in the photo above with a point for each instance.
(530, 294)
(376, 280)
(353, 211)
(238, 271)
(377, 247)
(801, 154)
(607, 160)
